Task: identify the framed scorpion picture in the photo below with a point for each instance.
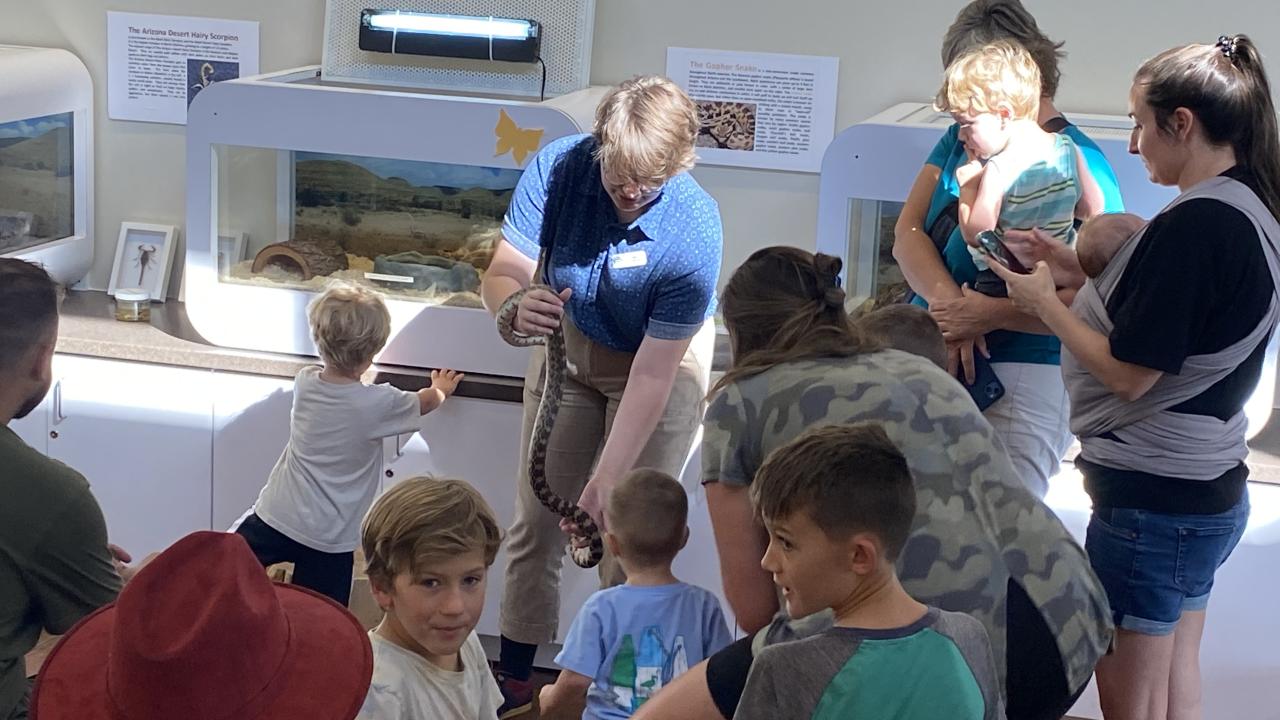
(144, 254)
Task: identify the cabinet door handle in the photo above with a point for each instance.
(58, 417)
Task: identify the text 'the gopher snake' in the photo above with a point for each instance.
(555, 370)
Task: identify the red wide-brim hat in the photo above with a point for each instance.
(213, 640)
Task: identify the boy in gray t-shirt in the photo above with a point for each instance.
(838, 503)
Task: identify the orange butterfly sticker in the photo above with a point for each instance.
(514, 139)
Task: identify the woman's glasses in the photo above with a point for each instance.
(630, 189)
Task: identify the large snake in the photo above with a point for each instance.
(556, 368)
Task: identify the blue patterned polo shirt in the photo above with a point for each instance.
(656, 276)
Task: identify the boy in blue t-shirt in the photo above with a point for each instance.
(628, 641)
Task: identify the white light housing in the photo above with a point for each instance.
(460, 25)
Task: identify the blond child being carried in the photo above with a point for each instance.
(325, 480)
(1019, 176)
(838, 503)
(629, 641)
(429, 544)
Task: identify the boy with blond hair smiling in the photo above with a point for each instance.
(429, 544)
(838, 503)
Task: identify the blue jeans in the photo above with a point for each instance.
(1155, 566)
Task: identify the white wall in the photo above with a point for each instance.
(887, 55)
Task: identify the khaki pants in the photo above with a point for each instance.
(589, 402)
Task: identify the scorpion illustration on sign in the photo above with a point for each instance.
(145, 258)
(206, 77)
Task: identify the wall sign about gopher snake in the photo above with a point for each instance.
(555, 369)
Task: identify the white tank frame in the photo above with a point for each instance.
(291, 111)
(35, 82)
(878, 160)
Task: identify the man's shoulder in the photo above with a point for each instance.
(26, 472)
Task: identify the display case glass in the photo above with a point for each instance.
(414, 230)
(46, 160)
(37, 180)
(294, 182)
(871, 225)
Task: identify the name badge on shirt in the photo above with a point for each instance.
(633, 259)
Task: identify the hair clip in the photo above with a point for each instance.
(1228, 46)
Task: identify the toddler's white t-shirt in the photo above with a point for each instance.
(329, 473)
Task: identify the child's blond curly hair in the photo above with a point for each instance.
(980, 81)
(349, 324)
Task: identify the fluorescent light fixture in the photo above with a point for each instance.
(454, 25)
(465, 36)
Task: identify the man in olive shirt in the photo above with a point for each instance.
(55, 564)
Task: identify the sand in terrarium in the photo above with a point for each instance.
(383, 211)
(276, 275)
(36, 181)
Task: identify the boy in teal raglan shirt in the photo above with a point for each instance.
(838, 503)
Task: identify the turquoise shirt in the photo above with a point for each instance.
(938, 667)
(1006, 345)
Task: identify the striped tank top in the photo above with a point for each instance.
(1043, 194)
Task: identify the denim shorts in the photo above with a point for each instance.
(1155, 566)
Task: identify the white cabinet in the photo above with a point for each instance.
(171, 450)
(142, 435)
(476, 441)
(250, 429)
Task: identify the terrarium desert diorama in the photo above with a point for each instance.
(36, 182)
(417, 230)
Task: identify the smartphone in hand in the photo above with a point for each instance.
(993, 248)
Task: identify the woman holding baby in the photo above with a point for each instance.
(1160, 351)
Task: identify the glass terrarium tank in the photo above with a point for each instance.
(46, 160)
(871, 226)
(37, 200)
(295, 182)
(416, 230)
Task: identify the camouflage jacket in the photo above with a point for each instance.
(976, 525)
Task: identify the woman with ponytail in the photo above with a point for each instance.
(1160, 353)
(981, 542)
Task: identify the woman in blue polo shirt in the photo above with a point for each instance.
(631, 245)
